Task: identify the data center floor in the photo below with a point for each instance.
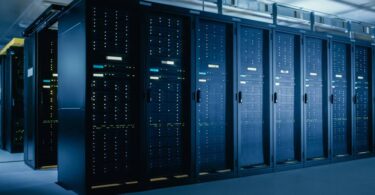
(347, 178)
(5, 156)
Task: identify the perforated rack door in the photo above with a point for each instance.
(166, 97)
(252, 150)
(211, 96)
(47, 124)
(362, 99)
(340, 88)
(112, 72)
(285, 98)
(313, 98)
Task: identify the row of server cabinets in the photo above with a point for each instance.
(40, 98)
(28, 100)
(151, 95)
(11, 100)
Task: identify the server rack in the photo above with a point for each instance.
(253, 98)
(166, 71)
(13, 100)
(363, 131)
(341, 99)
(112, 103)
(214, 135)
(98, 99)
(40, 143)
(315, 99)
(287, 99)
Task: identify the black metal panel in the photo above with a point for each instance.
(340, 86)
(213, 140)
(166, 86)
(253, 139)
(13, 100)
(30, 101)
(362, 99)
(286, 98)
(113, 99)
(316, 134)
(72, 132)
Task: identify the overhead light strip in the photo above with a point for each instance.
(15, 42)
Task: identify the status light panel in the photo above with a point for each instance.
(113, 91)
(251, 97)
(211, 98)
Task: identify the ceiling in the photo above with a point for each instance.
(359, 10)
(16, 15)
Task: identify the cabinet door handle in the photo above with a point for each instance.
(305, 98)
(198, 96)
(332, 99)
(240, 97)
(355, 99)
(275, 97)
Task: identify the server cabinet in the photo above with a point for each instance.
(341, 100)
(253, 98)
(167, 69)
(40, 143)
(13, 100)
(362, 100)
(214, 134)
(112, 102)
(287, 99)
(315, 99)
(99, 97)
